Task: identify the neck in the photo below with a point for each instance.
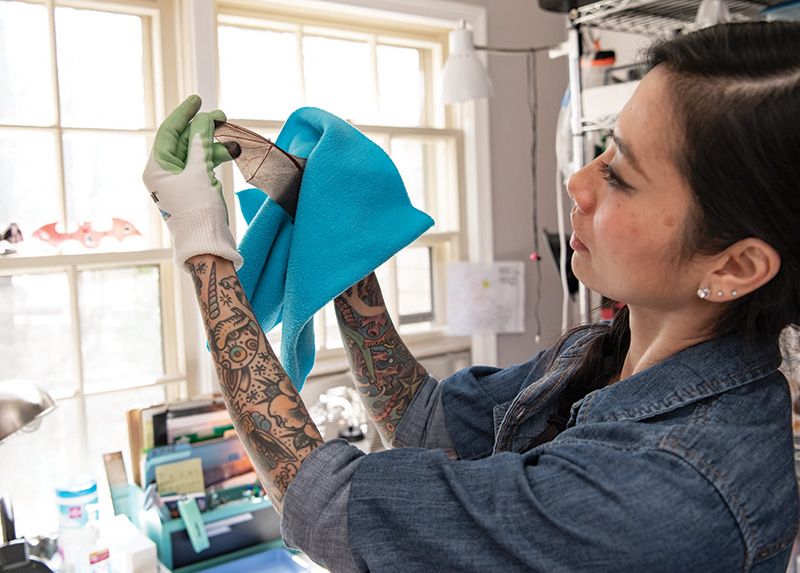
(656, 335)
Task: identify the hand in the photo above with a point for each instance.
(180, 178)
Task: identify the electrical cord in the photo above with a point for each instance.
(536, 255)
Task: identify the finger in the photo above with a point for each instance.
(183, 139)
(218, 116)
(202, 126)
(219, 156)
(223, 152)
(180, 117)
(182, 148)
(171, 139)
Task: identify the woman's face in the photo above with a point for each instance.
(631, 205)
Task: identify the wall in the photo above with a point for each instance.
(520, 23)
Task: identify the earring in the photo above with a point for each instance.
(703, 292)
(720, 293)
(734, 293)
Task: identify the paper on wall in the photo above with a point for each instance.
(485, 297)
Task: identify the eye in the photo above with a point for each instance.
(611, 177)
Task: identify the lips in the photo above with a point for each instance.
(575, 228)
(576, 244)
(575, 241)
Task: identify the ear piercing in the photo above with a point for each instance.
(704, 293)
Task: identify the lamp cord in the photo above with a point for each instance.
(536, 256)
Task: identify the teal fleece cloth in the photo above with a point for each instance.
(353, 214)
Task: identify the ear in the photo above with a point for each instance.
(742, 268)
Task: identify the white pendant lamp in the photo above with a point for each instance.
(464, 77)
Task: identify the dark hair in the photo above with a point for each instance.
(735, 90)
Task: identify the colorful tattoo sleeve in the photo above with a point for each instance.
(386, 374)
(266, 409)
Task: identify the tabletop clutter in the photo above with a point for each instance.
(192, 502)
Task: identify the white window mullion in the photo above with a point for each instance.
(299, 34)
(375, 83)
(152, 94)
(441, 255)
(169, 330)
(60, 175)
(75, 321)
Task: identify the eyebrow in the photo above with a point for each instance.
(625, 150)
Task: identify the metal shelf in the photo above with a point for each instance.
(657, 18)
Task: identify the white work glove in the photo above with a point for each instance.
(180, 178)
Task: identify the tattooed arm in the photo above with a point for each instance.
(386, 374)
(266, 409)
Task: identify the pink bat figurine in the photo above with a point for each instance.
(85, 234)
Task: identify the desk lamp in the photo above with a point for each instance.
(22, 404)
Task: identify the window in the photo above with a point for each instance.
(380, 78)
(90, 319)
(94, 317)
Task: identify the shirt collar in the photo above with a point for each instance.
(695, 373)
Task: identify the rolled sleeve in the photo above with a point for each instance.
(315, 507)
(571, 507)
(423, 423)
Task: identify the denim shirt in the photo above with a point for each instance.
(685, 466)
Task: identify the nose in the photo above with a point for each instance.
(581, 190)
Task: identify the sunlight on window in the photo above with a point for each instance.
(430, 173)
(35, 310)
(121, 327)
(401, 86)
(337, 78)
(28, 171)
(25, 67)
(101, 77)
(258, 73)
(43, 458)
(409, 157)
(103, 179)
(414, 284)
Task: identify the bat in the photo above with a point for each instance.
(12, 234)
(265, 165)
(85, 234)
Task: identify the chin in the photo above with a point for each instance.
(590, 282)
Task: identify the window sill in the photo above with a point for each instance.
(22, 262)
(334, 361)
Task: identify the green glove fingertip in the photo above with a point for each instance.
(218, 115)
(169, 148)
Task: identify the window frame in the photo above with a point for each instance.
(437, 126)
(151, 14)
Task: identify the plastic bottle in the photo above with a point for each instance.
(72, 499)
(97, 554)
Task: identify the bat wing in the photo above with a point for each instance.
(265, 165)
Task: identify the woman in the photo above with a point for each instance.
(659, 442)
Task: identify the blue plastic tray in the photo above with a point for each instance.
(271, 561)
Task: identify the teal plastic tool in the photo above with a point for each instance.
(194, 524)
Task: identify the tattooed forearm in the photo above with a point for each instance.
(386, 374)
(266, 410)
